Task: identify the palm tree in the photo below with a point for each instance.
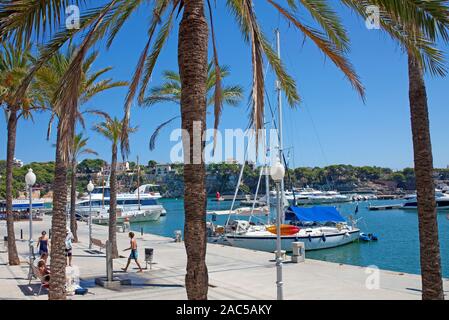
(111, 129)
(417, 27)
(51, 80)
(330, 37)
(14, 66)
(192, 63)
(170, 91)
(79, 148)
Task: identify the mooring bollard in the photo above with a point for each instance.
(298, 252)
(178, 236)
(141, 232)
(21, 234)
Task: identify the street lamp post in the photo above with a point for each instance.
(277, 172)
(90, 188)
(30, 180)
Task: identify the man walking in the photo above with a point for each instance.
(134, 254)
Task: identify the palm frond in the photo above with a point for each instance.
(88, 18)
(329, 21)
(414, 25)
(154, 99)
(68, 92)
(98, 87)
(162, 5)
(150, 62)
(218, 96)
(327, 47)
(156, 132)
(22, 19)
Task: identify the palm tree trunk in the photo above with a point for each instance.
(58, 227)
(432, 286)
(13, 257)
(192, 61)
(73, 224)
(113, 203)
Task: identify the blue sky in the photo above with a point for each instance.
(331, 126)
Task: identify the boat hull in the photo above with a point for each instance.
(268, 243)
(133, 218)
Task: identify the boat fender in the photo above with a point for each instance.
(323, 237)
(347, 234)
(310, 238)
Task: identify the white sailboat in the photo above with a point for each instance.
(319, 227)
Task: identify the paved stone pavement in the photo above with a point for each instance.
(234, 273)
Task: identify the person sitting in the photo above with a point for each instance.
(44, 271)
(44, 257)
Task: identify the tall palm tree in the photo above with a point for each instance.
(51, 80)
(111, 129)
(14, 66)
(421, 24)
(79, 148)
(330, 37)
(170, 91)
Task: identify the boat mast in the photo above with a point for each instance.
(102, 188)
(280, 135)
(267, 189)
(138, 184)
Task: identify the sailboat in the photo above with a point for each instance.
(317, 227)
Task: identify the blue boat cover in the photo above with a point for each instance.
(313, 214)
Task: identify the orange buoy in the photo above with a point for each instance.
(286, 229)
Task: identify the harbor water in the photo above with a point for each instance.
(397, 248)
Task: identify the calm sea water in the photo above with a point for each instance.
(397, 248)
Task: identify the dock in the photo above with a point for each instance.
(385, 207)
(234, 273)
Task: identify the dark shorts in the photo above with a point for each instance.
(42, 251)
(133, 255)
(68, 252)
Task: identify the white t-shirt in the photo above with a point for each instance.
(68, 241)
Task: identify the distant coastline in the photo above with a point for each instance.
(222, 177)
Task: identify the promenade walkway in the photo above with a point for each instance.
(233, 273)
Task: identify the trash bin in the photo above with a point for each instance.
(298, 252)
(149, 256)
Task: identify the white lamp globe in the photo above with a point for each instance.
(90, 186)
(30, 178)
(277, 171)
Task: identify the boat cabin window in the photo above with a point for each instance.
(107, 191)
(143, 202)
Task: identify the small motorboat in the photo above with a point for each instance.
(367, 237)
